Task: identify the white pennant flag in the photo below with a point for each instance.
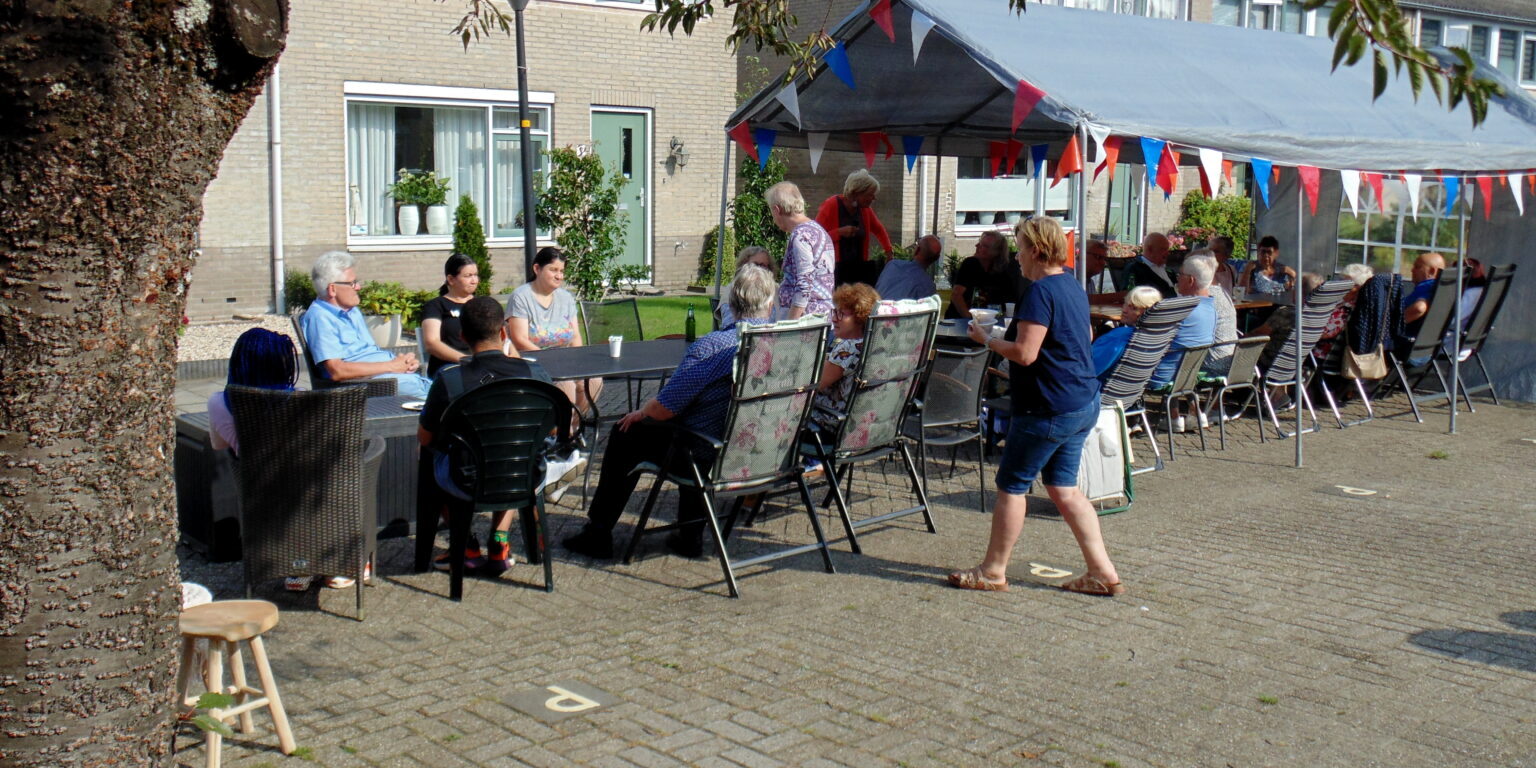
(1413, 180)
(921, 25)
(1098, 133)
(1351, 182)
(790, 98)
(816, 142)
(1210, 162)
(1514, 187)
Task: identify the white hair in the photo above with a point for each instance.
(752, 292)
(786, 197)
(1200, 265)
(860, 181)
(1359, 273)
(329, 268)
(1143, 297)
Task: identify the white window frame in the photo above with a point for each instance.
(488, 99)
(1370, 210)
(1418, 30)
(1525, 40)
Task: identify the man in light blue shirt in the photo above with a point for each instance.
(337, 337)
(911, 279)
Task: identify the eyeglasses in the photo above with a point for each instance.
(354, 285)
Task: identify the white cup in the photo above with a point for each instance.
(984, 317)
(615, 345)
(1008, 310)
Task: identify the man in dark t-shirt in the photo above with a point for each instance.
(483, 329)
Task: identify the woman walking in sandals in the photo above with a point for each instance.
(1055, 405)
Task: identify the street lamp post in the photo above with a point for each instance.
(530, 224)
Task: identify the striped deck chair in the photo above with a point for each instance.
(1418, 360)
(1126, 382)
(1480, 327)
(1288, 370)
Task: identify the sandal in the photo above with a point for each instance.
(1091, 585)
(971, 578)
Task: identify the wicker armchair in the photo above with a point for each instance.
(306, 481)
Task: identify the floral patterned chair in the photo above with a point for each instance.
(775, 375)
(898, 348)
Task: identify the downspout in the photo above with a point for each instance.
(275, 186)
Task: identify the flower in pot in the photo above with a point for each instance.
(382, 305)
(413, 190)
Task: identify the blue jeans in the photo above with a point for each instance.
(1048, 446)
(410, 384)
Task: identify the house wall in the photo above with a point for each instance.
(585, 54)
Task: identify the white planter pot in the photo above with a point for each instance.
(437, 220)
(409, 218)
(385, 330)
(959, 218)
(1013, 217)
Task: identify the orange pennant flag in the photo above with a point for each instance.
(1071, 248)
(1111, 156)
(1071, 161)
(1226, 172)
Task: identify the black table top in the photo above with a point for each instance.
(592, 361)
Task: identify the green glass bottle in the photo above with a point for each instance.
(690, 326)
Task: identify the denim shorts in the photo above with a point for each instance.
(1048, 446)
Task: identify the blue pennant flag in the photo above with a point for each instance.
(837, 61)
(1151, 153)
(1452, 188)
(911, 146)
(764, 138)
(1037, 155)
(1261, 170)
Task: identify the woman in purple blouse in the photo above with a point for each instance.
(808, 258)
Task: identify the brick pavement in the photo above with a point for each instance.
(1269, 623)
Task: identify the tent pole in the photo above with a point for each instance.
(725, 186)
(1461, 275)
(1082, 205)
(938, 179)
(1301, 201)
(922, 195)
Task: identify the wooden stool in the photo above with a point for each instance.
(225, 624)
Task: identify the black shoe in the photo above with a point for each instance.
(598, 546)
(685, 546)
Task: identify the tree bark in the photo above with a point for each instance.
(117, 114)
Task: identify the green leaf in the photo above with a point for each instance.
(1335, 19)
(1357, 48)
(1416, 78)
(1341, 45)
(209, 724)
(1380, 84)
(214, 700)
(1436, 84)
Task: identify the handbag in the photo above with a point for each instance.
(1369, 366)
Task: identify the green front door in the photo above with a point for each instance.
(622, 140)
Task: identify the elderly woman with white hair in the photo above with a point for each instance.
(808, 256)
(1205, 272)
(697, 396)
(850, 219)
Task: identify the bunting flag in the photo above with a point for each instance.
(1261, 170)
(1530, 179)
(1514, 187)
(837, 61)
(1274, 175)
(881, 13)
(1485, 187)
(764, 138)
(1071, 235)
(1011, 150)
(1098, 133)
(1210, 165)
(1226, 172)
(1413, 180)
(911, 147)
(742, 135)
(1111, 157)
(1071, 161)
(790, 98)
(870, 143)
(815, 142)
(1025, 97)
(1151, 153)
(1374, 179)
(1350, 180)
(1452, 186)
(1167, 171)
(994, 157)
(1037, 155)
(921, 26)
(1310, 178)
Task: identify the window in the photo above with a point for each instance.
(475, 146)
(1429, 32)
(1479, 44)
(1283, 15)
(983, 202)
(1390, 241)
(1509, 52)
(1528, 66)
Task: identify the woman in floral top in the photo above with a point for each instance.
(808, 258)
(852, 305)
(542, 315)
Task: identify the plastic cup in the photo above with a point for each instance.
(615, 345)
(984, 317)
(1008, 310)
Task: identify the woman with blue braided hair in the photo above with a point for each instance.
(260, 358)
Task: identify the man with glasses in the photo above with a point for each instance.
(338, 339)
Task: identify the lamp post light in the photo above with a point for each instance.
(525, 138)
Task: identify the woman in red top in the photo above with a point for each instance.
(850, 219)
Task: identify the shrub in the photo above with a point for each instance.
(298, 290)
(708, 252)
(469, 240)
(1229, 215)
(376, 298)
(751, 220)
(582, 207)
(423, 188)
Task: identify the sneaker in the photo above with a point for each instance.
(340, 582)
(594, 544)
(472, 554)
(297, 583)
(492, 567)
(811, 466)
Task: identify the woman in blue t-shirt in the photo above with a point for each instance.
(1055, 405)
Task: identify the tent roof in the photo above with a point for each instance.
(1248, 93)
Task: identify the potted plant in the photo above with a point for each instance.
(382, 305)
(413, 190)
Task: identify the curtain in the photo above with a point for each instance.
(370, 153)
(458, 151)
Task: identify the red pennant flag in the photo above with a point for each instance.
(1206, 187)
(1226, 172)
(1310, 178)
(1530, 179)
(890, 149)
(1070, 162)
(1167, 170)
(1071, 248)
(1374, 179)
(1485, 186)
(1111, 156)
(1024, 100)
(995, 151)
(742, 135)
(1274, 176)
(870, 143)
(1011, 150)
(881, 13)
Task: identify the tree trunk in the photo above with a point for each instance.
(117, 115)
